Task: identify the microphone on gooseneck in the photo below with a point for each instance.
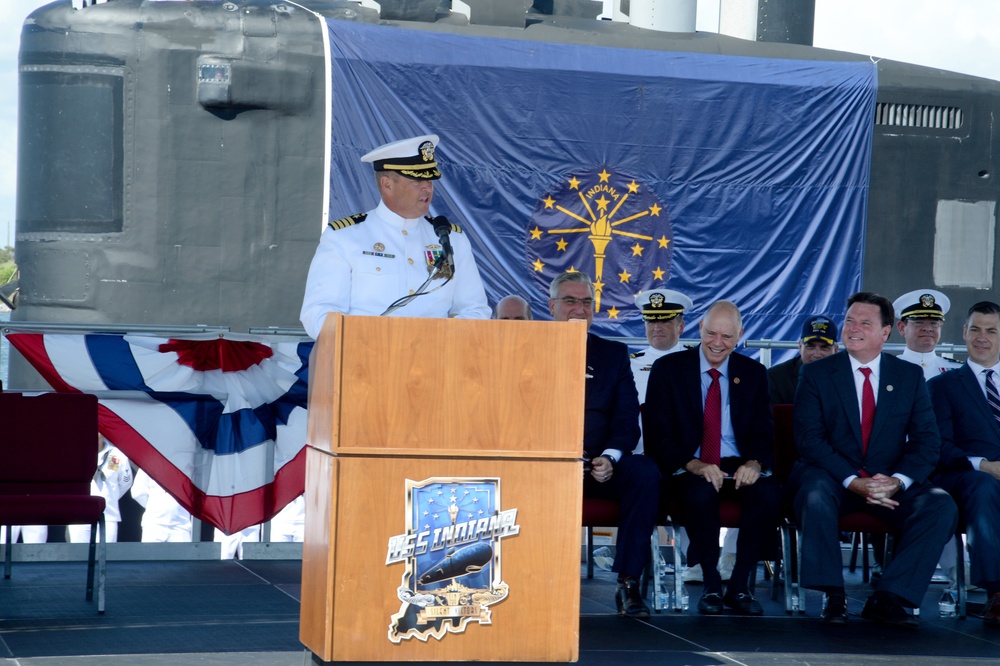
(442, 227)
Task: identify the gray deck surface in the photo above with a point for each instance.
(229, 613)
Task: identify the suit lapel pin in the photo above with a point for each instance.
(888, 387)
(736, 380)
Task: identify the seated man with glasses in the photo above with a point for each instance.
(610, 433)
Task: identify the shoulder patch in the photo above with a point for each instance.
(348, 221)
(454, 227)
(637, 354)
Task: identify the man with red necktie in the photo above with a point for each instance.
(707, 423)
(868, 441)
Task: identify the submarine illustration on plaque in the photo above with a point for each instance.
(458, 562)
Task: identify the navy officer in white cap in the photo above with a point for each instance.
(378, 262)
(663, 312)
(921, 317)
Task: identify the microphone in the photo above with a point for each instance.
(442, 227)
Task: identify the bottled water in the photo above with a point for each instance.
(664, 600)
(946, 606)
(685, 600)
(603, 558)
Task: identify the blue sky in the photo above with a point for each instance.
(959, 35)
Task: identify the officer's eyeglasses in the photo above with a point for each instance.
(572, 301)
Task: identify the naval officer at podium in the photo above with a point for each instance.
(395, 259)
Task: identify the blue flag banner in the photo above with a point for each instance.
(719, 176)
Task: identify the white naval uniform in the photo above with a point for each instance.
(932, 364)
(642, 361)
(164, 520)
(111, 481)
(362, 268)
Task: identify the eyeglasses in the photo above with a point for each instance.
(572, 301)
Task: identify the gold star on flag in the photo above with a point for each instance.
(574, 184)
(604, 175)
(655, 209)
(598, 285)
(613, 313)
(549, 201)
(538, 265)
(663, 240)
(536, 233)
(572, 269)
(561, 244)
(637, 250)
(624, 275)
(602, 203)
(633, 187)
(658, 273)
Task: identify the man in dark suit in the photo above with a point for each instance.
(819, 340)
(610, 433)
(868, 441)
(967, 405)
(707, 423)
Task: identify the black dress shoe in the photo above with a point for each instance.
(629, 599)
(887, 609)
(710, 603)
(743, 603)
(835, 610)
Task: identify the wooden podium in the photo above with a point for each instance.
(410, 415)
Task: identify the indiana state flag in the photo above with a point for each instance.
(720, 176)
(220, 423)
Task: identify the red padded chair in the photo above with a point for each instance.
(597, 513)
(49, 457)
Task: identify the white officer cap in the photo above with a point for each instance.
(662, 304)
(922, 304)
(413, 158)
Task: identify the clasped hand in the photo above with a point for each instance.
(877, 489)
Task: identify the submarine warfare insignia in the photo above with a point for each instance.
(452, 554)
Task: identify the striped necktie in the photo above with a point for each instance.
(992, 396)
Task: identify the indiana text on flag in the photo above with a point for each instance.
(219, 422)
